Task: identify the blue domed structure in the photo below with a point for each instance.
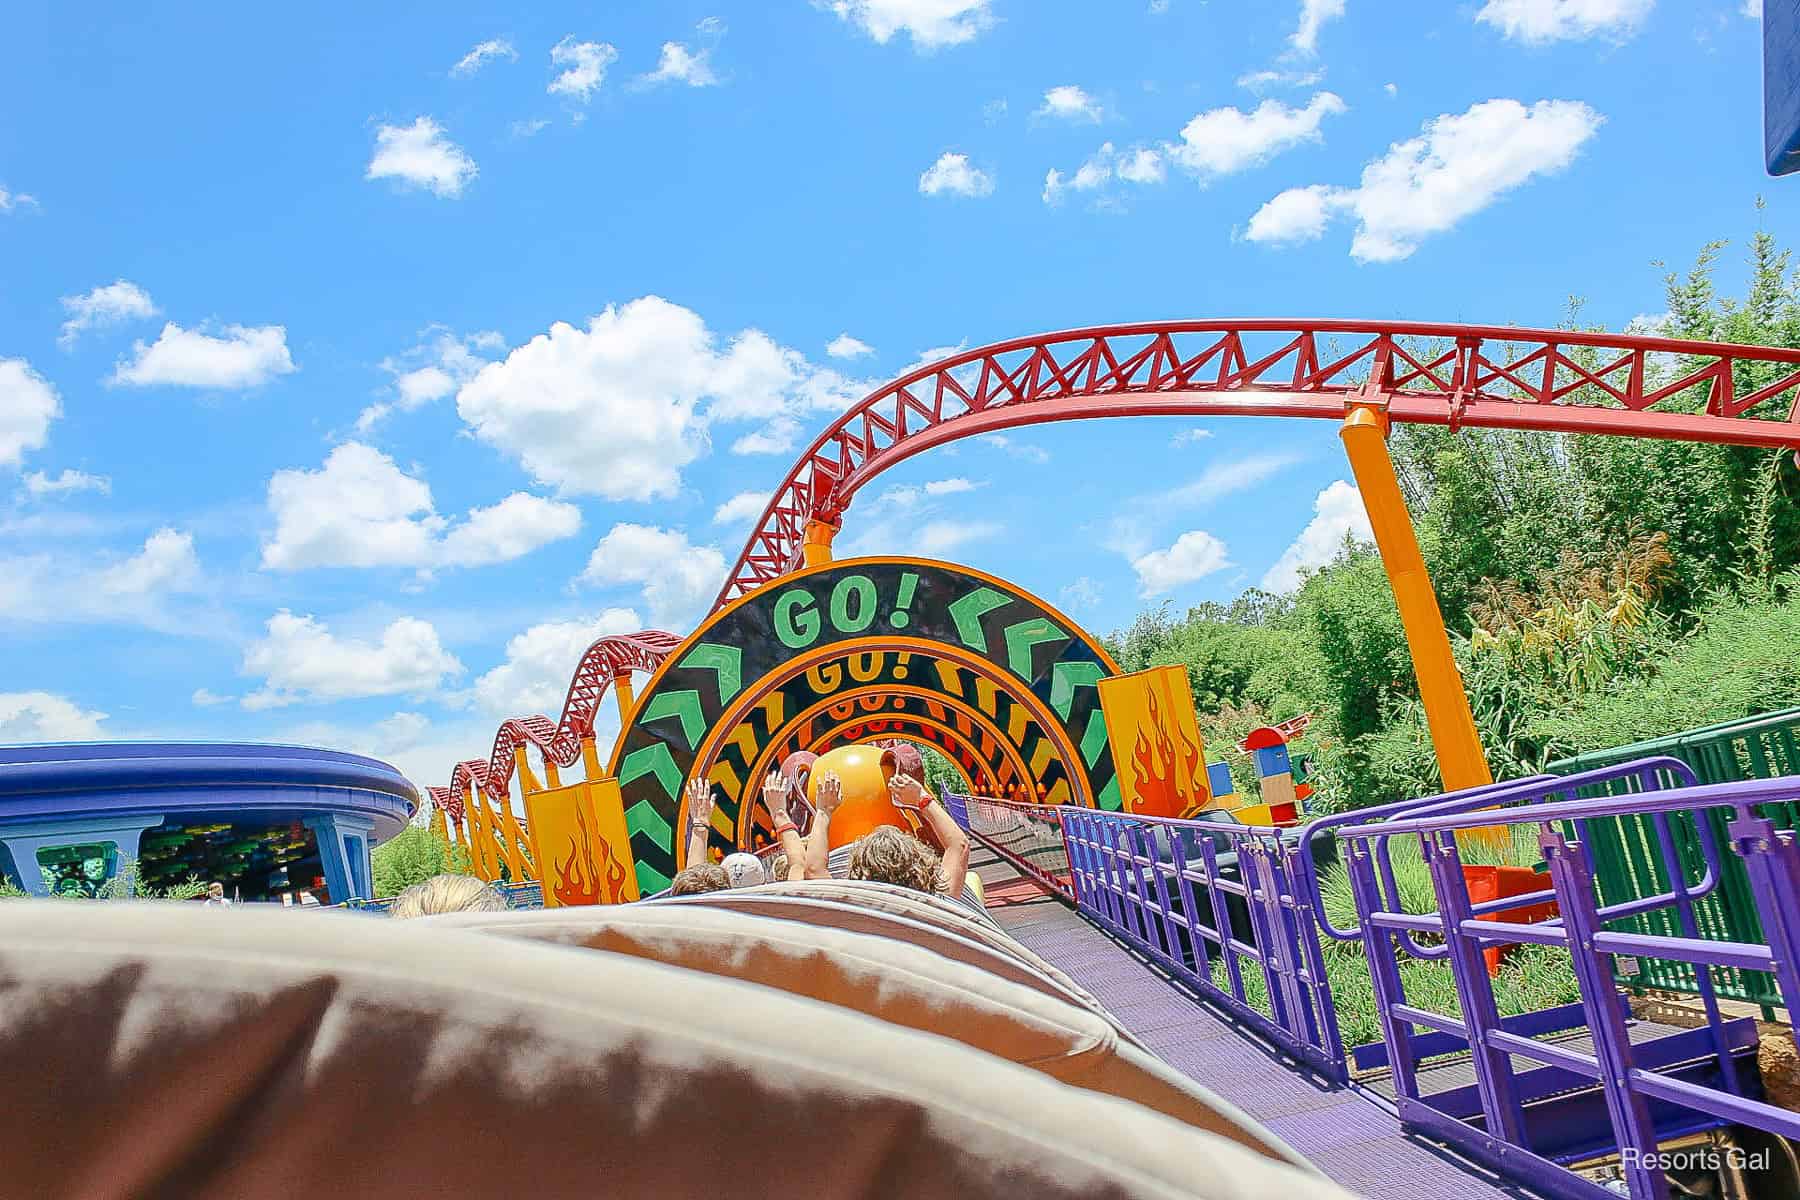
(262, 820)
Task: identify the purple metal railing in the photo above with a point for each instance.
(1651, 1089)
(1236, 913)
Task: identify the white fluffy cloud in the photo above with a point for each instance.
(535, 676)
(1140, 165)
(845, 346)
(420, 155)
(300, 659)
(1195, 555)
(167, 563)
(1222, 141)
(930, 23)
(1313, 15)
(482, 54)
(616, 409)
(27, 406)
(1069, 103)
(242, 357)
(678, 578)
(70, 480)
(1460, 164)
(109, 305)
(361, 510)
(955, 175)
(910, 497)
(936, 538)
(1339, 514)
(10, 201)
(27, 717)
(745, 506)
(430, 371)
(678, 64)
(1538, 21)
(1299, 214)
(583, 67)
(86, 587)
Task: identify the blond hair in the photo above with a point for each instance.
(890, 855)
(699, 879)
(446, 894)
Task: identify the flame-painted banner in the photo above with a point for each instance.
(579, 842)
(1156, 742)
(983, 665)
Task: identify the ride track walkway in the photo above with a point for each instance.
(1345, 1133)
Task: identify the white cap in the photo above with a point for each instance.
(744, 870)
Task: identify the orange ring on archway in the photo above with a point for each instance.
(706, 753)
(761, 765)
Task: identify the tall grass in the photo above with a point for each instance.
(1530, 978)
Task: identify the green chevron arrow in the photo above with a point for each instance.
(684, 704)
(968, 611)
(656, 760)
(726, 661)
(1022, 637)
(642, 818)
(1065, 677)
(650, 880)
(1109, 795)
(1094, 740)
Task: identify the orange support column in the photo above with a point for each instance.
(621, 693)
(590, 758)
(815, 546)
(1461, 760)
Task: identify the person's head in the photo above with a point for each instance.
(778, 867)
(889, 855)
(744, 870)
(215, 891)
(446, 894)
(699, 879)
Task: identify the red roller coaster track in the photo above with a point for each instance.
(600, 664)
(1457, 375)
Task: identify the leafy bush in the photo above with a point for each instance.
(412, 856)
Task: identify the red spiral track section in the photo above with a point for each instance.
(1457, 375)
(558, 742)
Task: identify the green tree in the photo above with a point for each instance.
(412, 856)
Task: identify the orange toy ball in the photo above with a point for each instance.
(866, 804)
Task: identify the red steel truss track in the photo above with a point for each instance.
(560, 742)
(1482, 376)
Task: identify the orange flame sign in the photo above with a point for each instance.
(1166, 769)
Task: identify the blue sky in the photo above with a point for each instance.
(359, 364)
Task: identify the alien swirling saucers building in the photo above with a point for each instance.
(262, 820)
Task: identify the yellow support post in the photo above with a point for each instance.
(552, 777)
(1461, 760)
(590, 758)
(509, 830)
(815, 546)
(621, 693)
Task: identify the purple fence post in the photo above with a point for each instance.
(1303, 942)
(1384, 969)
(1632, 1128)
(1475, 991)
(1234, 972)
(1185, 888)
(1165, 911)
(1773, 864)
(1253, 870)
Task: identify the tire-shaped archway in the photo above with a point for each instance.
(725, 699)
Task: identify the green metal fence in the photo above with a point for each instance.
(1628, 864)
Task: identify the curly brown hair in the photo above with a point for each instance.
(699, 879)
(890, 855)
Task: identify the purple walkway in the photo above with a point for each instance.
(1348, 1137)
